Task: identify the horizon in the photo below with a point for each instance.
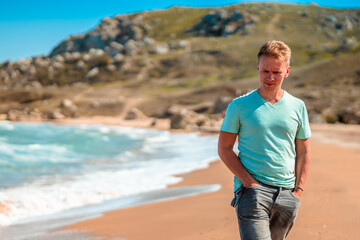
(43, 28)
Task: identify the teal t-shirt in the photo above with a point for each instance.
(266, 136)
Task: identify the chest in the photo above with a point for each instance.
(265, 119)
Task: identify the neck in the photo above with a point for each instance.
(271, 96)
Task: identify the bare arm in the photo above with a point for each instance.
(227, 155)
(302, 164)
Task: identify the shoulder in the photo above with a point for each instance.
(244, 98)
(294, 101)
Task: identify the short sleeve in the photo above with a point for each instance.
(231, 121)
(304, 131)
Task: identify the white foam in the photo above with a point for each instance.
(36, 199)
(7, 125)
(152, 166)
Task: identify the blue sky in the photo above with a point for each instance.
(33, 27)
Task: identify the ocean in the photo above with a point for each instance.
(47, 168)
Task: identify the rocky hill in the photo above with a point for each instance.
(183, 62)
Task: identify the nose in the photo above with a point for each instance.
(271, 76)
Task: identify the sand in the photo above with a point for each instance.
(329, 207)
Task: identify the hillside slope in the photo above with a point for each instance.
(193, 57)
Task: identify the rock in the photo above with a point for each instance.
(111, 68)
(56, 114)
(72, 57)
(22, 61)
(223, 23)
(36, 85)
(86, 57)
(114, 48)
(35, 115)
(349, 116)
(349, 43)
(92, 73)
(80, 65)
(229, 29)
(329, 115)
(57, 65)
(131, 47)
(58, 58)
(119, 58)
(183, 44)
(348, 24)
(13, 115)
(315, 117)
(221, 104)
(135, 113)
(41, 62)
(96, 53)
(149, 41)
(331, 19)
(187, 119)
(68, 104)
(162, 48)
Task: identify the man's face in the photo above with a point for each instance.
(272, 72)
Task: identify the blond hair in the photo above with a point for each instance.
(275, 49)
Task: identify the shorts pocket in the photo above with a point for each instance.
(236, 197)
(296, 198)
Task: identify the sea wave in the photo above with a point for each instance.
(64, 167)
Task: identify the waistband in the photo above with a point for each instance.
(275, 187)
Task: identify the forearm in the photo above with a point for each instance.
(302, 167)
(235, 166)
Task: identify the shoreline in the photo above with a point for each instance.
(331, 145)
(326, 210)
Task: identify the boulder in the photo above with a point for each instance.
(68, 104)
(149, 41)
(111, 67)
(135, 113)
(349, 43)
(223, 23)
(80, 65)
(119, 58)
(92, 73)
(72, 57)
(183, 44)
(56, 114)
(162, 48)
(58, 58)
(221, 104)
(349, 115)
(187, 119)
(41, 62)
(114, 48)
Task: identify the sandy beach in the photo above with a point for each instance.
(329, 205)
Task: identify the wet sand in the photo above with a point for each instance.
(329, 206)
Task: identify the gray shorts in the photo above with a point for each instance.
(265, 212)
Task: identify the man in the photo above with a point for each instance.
(274, 150)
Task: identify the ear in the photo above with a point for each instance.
(258, 68)
(287, 72)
